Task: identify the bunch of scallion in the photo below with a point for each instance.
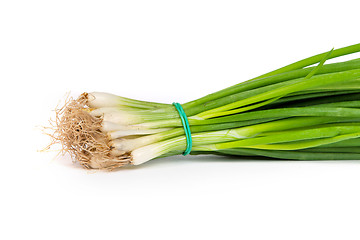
(307, 110)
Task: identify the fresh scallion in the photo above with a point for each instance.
(298, 112)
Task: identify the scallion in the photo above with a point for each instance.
(298, 112)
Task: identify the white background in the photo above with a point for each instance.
(163, 51)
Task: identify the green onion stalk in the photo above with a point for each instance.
(308, 110)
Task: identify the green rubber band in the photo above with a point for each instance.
(185, 123)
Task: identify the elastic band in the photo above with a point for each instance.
(186, 126)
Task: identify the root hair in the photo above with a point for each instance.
(80, 135)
